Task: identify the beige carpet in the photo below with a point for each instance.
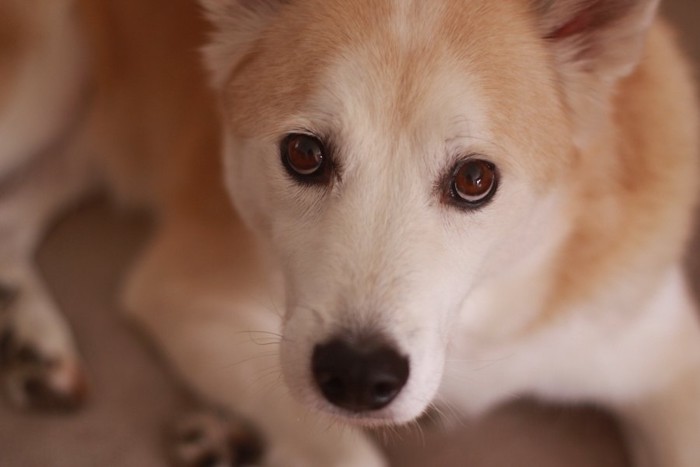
(133, 396)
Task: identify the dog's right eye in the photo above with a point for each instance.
(305, 159)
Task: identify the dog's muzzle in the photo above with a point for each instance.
(360, 376)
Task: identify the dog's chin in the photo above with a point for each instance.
(390, 416)
(400, 412)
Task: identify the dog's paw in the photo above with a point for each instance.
(34, 375)
(211, 439)
(8, 295)
(34, 380)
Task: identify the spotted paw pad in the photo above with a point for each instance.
(211, 439)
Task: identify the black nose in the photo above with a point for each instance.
(359, 377)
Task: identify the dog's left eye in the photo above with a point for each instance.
(473, 183)
(305, 159)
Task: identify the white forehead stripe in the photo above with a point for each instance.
(415, 20)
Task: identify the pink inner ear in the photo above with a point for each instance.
(580, 23)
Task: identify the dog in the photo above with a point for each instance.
(384, 191)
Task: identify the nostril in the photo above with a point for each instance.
(332, 386)
(359, 378)
(384, 391)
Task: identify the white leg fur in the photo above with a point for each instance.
(39, 174)
(216, 321)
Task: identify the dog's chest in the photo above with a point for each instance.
(592, 350)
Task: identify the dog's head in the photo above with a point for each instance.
(397, 155)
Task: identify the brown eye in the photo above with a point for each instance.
(305, 159)
(474, 182)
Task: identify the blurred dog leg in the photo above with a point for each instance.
(42, 100)
(39, 365)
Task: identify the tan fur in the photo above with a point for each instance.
(648, 157)
(163, 151)
(158, 137)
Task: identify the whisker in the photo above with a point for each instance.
(272, 307)
(250, 359)
(269, 333)
(265, 373)
(416, 427)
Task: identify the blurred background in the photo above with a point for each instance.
(133, 397)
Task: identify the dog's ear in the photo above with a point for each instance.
(597, 36)
(595, 43)
(236, 25)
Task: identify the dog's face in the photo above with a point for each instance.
(396, 156)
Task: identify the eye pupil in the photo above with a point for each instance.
(474, 181)
(304, 154)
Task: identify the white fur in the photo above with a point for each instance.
(581, 357)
